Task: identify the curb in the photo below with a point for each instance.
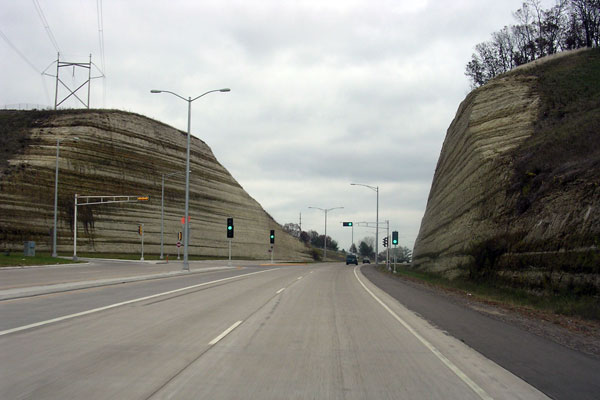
(10, 294)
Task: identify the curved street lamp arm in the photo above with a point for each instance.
(362, 184)
(168, 91)
(210, 91)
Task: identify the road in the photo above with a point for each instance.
(558, 371)
(265, 332)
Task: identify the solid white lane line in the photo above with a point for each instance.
(299, 278)
(95, 310)
(280, 290)
(225, 333)
(475, 387)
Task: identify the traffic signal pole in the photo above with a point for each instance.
(230, 234)
(272, 241)
(229, 253)
(387, 253)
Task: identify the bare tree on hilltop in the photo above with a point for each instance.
(569, 24)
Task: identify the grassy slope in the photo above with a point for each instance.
(565, 147)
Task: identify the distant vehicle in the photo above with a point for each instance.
(351, 259)
(366, 261)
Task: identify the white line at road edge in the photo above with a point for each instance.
(225, 333)
(79, 314)
(280, 290)
(475, 387)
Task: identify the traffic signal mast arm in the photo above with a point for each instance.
(110, 199)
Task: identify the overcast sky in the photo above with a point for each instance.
(323, 93)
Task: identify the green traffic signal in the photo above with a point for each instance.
(230, 228)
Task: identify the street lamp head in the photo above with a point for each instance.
(225, 90)
(155, 91)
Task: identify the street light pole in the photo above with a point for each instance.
(325, 238)
(186, 265)
(162, 208)
(54, 253)
(376, 189)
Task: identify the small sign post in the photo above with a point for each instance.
(141, 232)
(178, 246)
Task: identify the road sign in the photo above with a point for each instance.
(178, 244)
(183, 220)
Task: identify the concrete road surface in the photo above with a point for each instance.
(281, 332)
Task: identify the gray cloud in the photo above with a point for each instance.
(323, 93)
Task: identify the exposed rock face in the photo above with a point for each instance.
(516, 189)
(120, 153)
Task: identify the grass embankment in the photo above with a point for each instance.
(18, 260)
(564, 147)
(587, 307)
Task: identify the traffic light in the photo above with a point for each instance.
(180, 236)
(385, 241)
(140, 230)
(229, 227)
(272, 236)
(395, 238)
(346, 223)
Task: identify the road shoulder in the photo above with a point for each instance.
(555, 369)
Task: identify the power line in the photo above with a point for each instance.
(38, 8)
(18, 52)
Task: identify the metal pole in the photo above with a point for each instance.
(142, 258)
(75, 231)
(55, 200)
(56, 90)
(229, 253)
(89, 81)
(353, 233)
(387, 252)
(162, 215)
(325, 239)
(377, 227)
(186, 265)
(272, 252)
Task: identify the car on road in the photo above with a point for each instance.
(351, 259)
(366, 261)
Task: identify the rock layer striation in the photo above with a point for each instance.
(516, 189)
(120, 153)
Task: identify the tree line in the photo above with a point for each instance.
(568, 25)
(312, 238)
(366, 247)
